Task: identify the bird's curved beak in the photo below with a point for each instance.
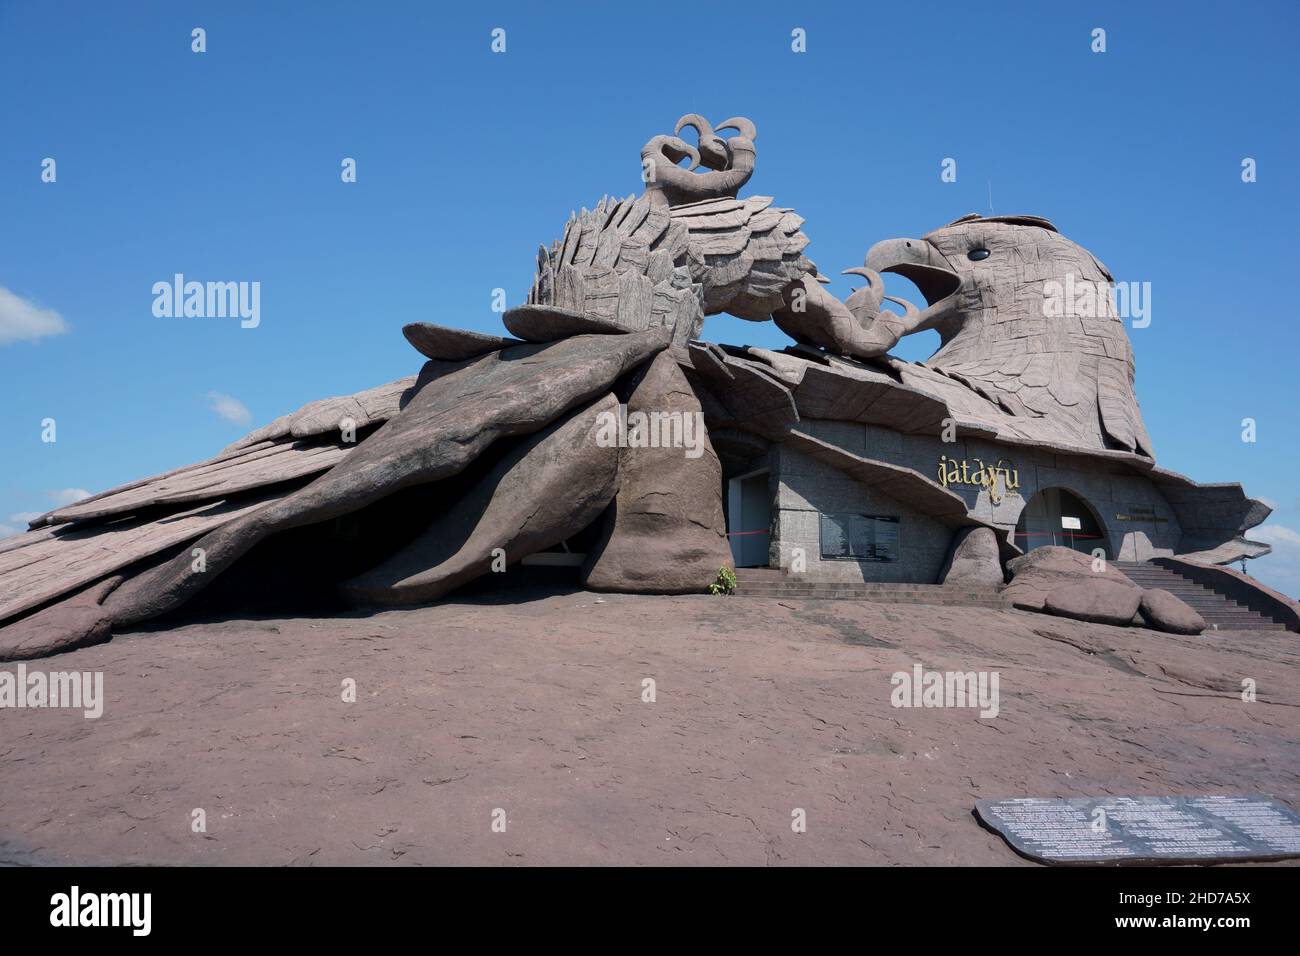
(922, 264)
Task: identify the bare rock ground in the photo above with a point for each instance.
(535, 707)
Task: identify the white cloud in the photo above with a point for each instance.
(1275, 534)
(17, 522)
(22, 321)
(1281, 569)
(230, 408)
(67, 496)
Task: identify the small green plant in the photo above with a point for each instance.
(725, 583)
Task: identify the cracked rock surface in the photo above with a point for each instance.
(762, 707)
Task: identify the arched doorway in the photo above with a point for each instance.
(1059, 517)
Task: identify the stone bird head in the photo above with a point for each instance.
(1016, 303)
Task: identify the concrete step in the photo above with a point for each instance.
(853, 589)
(771, 583)
(849, 589)
(878, 597)
(1192, 592)
(1226, 620)
(858, 589)
(1242, 628)
(796, 585)
(1219, 611)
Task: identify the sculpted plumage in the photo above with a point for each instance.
(688, 248)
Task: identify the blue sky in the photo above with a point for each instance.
(225, 166)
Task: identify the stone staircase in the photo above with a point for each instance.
(774, 583)
(1220, 612)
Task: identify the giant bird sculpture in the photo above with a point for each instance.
(489, 455)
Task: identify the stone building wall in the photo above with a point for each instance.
(1135, 518)
(804, 489)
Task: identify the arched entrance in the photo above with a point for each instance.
(1059, 517)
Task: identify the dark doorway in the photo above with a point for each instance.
(749, 519)
(1059, 517)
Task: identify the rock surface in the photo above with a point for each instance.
(1096, 601)
(1039, 572)
(763, 705)
(545, 323)
(665, 532)
(547, 489)
(452, 345)
(1167, 612)
(45, 631)
(975, 560)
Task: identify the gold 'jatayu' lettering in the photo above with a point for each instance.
(954, 472)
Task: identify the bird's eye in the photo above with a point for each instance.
(975, 255)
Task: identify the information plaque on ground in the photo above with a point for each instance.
(1119, 830)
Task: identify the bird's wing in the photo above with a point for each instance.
(745, 253)
(623, 264)
(73, 546)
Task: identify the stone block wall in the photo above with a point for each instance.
(805, 489)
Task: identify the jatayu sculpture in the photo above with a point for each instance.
(489, 454)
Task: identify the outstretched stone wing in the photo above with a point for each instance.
(74, 546)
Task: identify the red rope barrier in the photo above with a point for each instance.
(1029, 534)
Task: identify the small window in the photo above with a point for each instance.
(859, 537)
(975, 255)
